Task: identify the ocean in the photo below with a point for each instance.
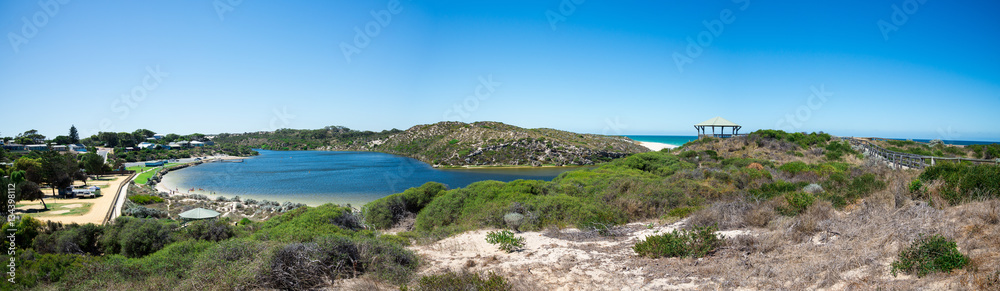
(318, 177)
(677, 140)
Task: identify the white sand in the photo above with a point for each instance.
(655, 146)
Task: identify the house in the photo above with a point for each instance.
(13, 147)
(158, 136)
(78, 148)
(36, 147)
(155, 164)
(197, 144)
(145, 145)
(180, 144)
(60, 148)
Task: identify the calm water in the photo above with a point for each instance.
(317, 177)
(677, 140)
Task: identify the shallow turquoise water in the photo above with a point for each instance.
(677, 140)
(317, 177)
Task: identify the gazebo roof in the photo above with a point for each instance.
(718, 122)
(199, 213)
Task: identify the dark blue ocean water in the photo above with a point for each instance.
(317, 177)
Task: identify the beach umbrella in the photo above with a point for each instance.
(199, 213)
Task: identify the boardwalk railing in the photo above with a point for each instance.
(897, 160)
(114, 202)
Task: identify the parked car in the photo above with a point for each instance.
(85, 191)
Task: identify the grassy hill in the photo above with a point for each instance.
(453, 144)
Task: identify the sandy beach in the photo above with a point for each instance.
(655, 146)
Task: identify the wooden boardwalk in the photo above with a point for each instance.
(900, 160)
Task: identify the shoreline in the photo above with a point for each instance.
(657, 146)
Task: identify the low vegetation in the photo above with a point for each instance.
(460, 282)
(694, 243)
(929, 254)
(505, 240)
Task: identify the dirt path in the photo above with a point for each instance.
(97, 212)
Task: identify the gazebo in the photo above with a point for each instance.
(719, 122)
(199, 213)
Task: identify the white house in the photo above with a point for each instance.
(158, 136)
(197, 144)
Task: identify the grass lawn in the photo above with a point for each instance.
(60, 209)
(142, 178)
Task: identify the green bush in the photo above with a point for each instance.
(452, 281)
(145, 199)
(73, 239)
(797, 203)
(929, 254)
(682, 212)
(964, 182)
(770, 190)
(210, 230)
(916, 186)
(136, 237)
(305, 223)
(387, 211)
(506, 240)
(694, 243)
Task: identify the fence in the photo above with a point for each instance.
(897, 160)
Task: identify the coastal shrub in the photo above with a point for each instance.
(139, 211)
(745, 162)
(802, 139)
(929, 254)
(73, 239)
(387, 211)
(836, 149)
(505, 240)
(27, 229)
(34, 269)
(136, 237)
(797, 203)
(210, 230)
(964, 182)
(513, 220)
(682, 212)
(697, 242)
(916, 186)
(769, 190)
(657, 163)
(304, 224)
(145, 199)
(452, 281)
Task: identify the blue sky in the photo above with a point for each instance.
(929, 71)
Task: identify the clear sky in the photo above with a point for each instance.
(908, 69)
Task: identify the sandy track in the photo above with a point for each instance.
(97, 211)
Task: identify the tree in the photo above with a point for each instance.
(74, 136)
(142, 134)
(58, 170)
(126, 139)
(93, 163)
(109, 139)
(62, 139)
(171, 137)
(26, 176)
(30, 137)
